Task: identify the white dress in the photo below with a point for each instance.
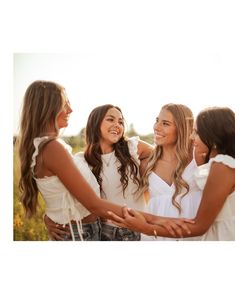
(223, 228)
(61, 206)
(112, 188)
(160, 202)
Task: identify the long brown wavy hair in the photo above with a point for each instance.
(43, 101)
(128, 169)
(216, 129)
(183, 118)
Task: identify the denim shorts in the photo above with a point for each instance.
(91, 232)
(112, 233)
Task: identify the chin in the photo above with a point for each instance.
(115, 140)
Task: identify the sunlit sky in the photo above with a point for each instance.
(138, 55)
(139, 59)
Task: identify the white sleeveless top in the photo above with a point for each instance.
(223, 228)
(112, 188)
(160, 202)
(61, 206)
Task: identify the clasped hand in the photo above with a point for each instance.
(136, 221)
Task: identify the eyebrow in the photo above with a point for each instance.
(110, 115)
(165, 120)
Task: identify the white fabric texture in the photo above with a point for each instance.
(61, 206)
(223, 227)
(160, 202)
(112, 188)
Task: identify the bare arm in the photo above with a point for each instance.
(60, 163)
(220, 183)
(144, 150)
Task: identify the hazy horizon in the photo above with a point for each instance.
(90, 82)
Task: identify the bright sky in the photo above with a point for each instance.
(138, 55)
(139, 59)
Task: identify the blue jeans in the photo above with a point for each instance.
(111, 233)
(91, 232)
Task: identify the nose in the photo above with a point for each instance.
(116, 125)
(156, 126)
(69, 109)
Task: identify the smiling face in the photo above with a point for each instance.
(112, 127)
(165, 131)
(63, 116)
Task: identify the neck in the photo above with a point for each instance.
(168, 154)
(105, 148)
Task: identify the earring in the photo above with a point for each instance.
(214, 146)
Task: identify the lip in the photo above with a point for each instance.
(158, 135)
(114, 132)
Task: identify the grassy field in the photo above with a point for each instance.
(33, 229)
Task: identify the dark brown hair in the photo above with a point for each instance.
(93, 151)
(216, 129)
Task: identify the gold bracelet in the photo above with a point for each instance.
(155, 233)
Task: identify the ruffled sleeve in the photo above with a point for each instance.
(133, 147)
(225, 159)
(86, 172)
(202, 171)
(36, 143)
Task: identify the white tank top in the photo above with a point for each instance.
(61, 206)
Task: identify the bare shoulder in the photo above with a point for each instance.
(54, 148)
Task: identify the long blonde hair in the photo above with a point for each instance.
(43, 101)
(183, 118)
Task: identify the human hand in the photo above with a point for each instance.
(175, 226)
(132, 220)
(56, 231)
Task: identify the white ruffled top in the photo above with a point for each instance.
(61, 206)
(160, 202)
(112, 188)
(223, 227)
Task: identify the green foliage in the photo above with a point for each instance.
(24, 229)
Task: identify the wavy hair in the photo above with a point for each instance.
(183, 118)
(216, 129)
(43, 102)
(128, 168)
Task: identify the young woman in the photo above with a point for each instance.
(114, 161)
(168, 175)
(47, 164)
(214, 141)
